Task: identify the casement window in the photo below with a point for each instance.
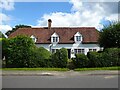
(77, 37)
(54, 38)
(77, 51)
(91, 50)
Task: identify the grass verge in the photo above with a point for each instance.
(35, 69)
(100, 68)
(60, 69)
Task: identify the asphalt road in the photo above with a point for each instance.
(67, 81)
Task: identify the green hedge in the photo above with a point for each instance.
(81, 61)
(60, 58)
(110, 57)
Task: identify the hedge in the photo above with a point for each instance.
(60, 58)
(81, 61)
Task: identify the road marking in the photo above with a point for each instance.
(108, 77)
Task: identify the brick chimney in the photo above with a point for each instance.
(49, 23)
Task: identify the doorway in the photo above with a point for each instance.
(69, 53)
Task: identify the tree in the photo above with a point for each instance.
(18, 51)
(16, 27)
(110, 36)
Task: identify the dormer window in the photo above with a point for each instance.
(55, 38)
(33, 38)
(77, 37)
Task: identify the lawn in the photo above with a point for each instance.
(60, 69)
(100, 68)
(36, 69)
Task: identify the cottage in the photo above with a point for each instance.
(74, 39)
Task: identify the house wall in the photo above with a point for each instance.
(86, 47)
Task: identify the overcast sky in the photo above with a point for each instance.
(73, 13)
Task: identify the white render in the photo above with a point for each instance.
(86, 47)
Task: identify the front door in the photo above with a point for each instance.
(69, 53)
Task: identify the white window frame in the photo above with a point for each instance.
(54, 38)
(79, 51)
(78, 37)
(92, 49)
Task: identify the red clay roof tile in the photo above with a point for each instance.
(66, 34)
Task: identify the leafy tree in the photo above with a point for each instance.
(16, 27)
(110, 36)
(18, 51)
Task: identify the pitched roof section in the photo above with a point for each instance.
(66, 34)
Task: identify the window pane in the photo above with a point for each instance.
(56, 39)
(94, 50)
(75, 51)
(79, 50)
(78, 38)
(53, 39)
(90, 49)
(83, 50)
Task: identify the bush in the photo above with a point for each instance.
(81, 61)
(17, 51)
(95, 59)
(113, 55)
(40, 57)
(110, 57)
(70, 64)
(59, 59)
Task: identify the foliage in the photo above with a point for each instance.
(1, 35)
(113, 55)
(81, 60)
(71, 64)
(110, 57)
(17, 51)
(15, 28)
(40, 58)
(95, 59)
(59, 59)
(110, 36)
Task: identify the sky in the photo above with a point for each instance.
(72, 13)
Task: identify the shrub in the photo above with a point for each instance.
(17, 51)
(70, 64)
(95, 59)
(81, 61)
(40, 58)
(113, 55)
(59, 59)
(110, 57)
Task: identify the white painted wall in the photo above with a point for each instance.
(71, 46)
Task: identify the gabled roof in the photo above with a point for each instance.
(66, 34)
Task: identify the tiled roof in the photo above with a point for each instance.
(66, 34)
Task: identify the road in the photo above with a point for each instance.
(61, 81)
